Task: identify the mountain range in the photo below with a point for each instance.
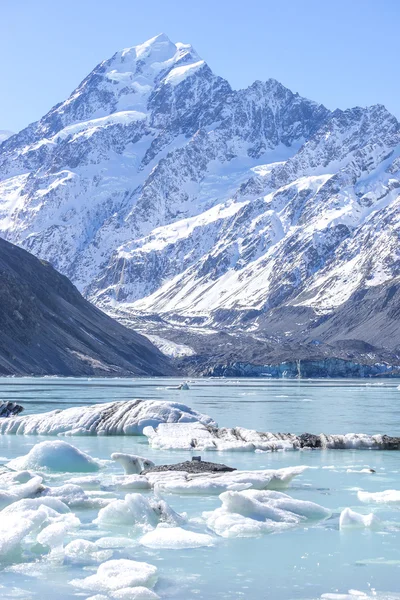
(246, 225)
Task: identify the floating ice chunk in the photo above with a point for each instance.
(365, 470)
(70, 494)
(351, 595)
(55, 456)
(175, 538)
(349, 519)
(14, 528)
(54, 534)
(230, 525)
(24, 490)
(119, 574)
(89, 482)
(85, 552)
(254, 512)
(137, 511)
(385, 497)
(11, 477)
(114, 418)
(134, 510)
(22, 506)
(135, 593)
(115, 542)
(99, 597)
(24, 517)
(132, 464)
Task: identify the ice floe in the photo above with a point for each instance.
(85, 552)
(119, 574)
(114, 418)
(252, 512)
(175, 538)
(385, 497)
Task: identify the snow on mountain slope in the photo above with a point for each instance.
(158, 189)
(4, 135)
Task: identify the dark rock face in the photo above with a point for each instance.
(191, 466)
(48, 328)
(10, 409)
(309, 440)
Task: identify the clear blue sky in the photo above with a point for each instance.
(342, 53)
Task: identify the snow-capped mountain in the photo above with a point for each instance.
(160, 190)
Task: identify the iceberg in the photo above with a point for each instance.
(251, 513)
(55, 456)
(138, 512)
(132, 464)
(114, 418)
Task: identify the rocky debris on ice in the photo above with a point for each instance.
(115, 418)
(251, 512)
(198, 436)
(191, 466)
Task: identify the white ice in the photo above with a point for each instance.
(114, 418)
(385, 497)
(137, 512)
(119, 574)
(132, 464)
(175, 538)
(252, 513)
(349, 519)
(180, 482)
(55, 456)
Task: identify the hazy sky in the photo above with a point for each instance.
(342, 53)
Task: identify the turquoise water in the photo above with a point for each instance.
(302, 563)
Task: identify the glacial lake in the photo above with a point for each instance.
(313, 560)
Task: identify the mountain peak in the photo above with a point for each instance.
(157, 49)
